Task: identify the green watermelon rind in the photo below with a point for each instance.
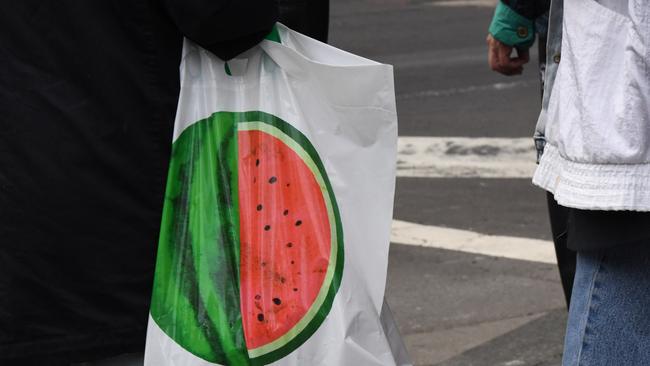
(201, 193)
(185, 307)
(321, 307)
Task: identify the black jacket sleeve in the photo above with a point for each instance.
(224, 27)
(530, 9)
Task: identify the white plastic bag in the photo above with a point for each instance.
(275, 234)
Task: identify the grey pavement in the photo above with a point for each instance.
(457, 308)
(511, 207)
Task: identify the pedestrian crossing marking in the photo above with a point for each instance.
(533, 250)
(466, 157)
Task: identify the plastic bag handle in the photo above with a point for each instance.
(274, 35)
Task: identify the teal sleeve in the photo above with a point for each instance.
(511, 28)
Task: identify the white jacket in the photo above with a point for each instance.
(597, 122)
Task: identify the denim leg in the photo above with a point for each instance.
(609, 318)
(587, 267)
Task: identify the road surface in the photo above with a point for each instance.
(472, 279)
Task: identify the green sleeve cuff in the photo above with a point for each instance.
(511, 28)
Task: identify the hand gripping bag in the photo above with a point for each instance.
(276, 224)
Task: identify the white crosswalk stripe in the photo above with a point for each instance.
(465, 157)
(470, 242)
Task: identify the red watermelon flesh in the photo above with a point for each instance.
(284, 234)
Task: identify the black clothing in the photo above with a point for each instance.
(593, 230)
(309, 17)
(88, 94)
(530, 9)
(566, 258)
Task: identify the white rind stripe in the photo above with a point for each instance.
(465, 157)
(470, 242)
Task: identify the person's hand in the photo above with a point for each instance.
(501, 60)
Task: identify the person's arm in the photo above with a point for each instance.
(513, 27)
(224, 27)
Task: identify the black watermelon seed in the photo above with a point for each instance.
(277, 301)
(298, 223)
(289, 245)
(292, 262)
(260, 317)
(288, 184)
(286, 212)
(273, 180)
(295, 289)
(259, 207)
(258, 297)
(267, 227)
(257, 162)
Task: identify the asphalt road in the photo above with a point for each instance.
(453, 307)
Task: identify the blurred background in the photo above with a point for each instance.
(472, 275)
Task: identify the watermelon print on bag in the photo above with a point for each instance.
(251, 246)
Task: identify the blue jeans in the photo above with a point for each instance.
(609, 318)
